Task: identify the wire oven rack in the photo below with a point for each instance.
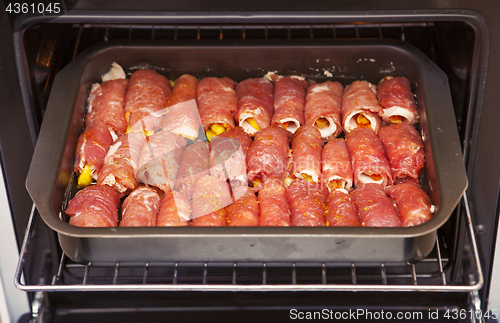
(428, 275)
(436, 273)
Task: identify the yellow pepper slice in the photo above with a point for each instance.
(85, 177)
(257, 182)
(396, 119)
(321, 123)
(210, 134)
(218, 128)
(253, 123)
(361, 120)
(308, 178)
(335, 184)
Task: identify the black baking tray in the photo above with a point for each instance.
(51, 179)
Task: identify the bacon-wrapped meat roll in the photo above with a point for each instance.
(217, 105)
(210, 198)
(94, 206)
(268, 156)
(91, 149)
(120, 164)
(147, 94)
(183, 119)
(360, 107)
(104, 122)
(175, 210)
(414, 205)
(336, 165)
(397, 101)
(140, 208)
(274, 208)
(368, 158)
(159, 160)
(307, 203)
(306, 151)
(323, 107)
(239, 134)
(289, 101)
(341, 210)
(405, 151)
(229, 150)
(244, 211)
(184, 90)
(255, 104)
(194, 164)
(375, 208)
(106, 102)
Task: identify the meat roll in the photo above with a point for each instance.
(147, 95)
(255, 104)
(183, 119)
(336, 165)
(323, 107)
(106, 102)
(229, 150)
(94, 206)
(289, 101)
(397, 100)
(184, 90)
(413, 203)
(341, 210)
(268, 156)
(244, 212)
(91, 149)
(368, 158)
(175, 210)
(274, 208)
(307, 203)
(306, 151)
(239, 134)
(375, 208)
(194, 164)
(405, 151)
(159, 160)
(360, 107)
(217, 105)
(120, 164)
(140, 208)
(210, 198)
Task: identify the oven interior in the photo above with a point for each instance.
(172, 290)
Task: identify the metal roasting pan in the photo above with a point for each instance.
(51, 182)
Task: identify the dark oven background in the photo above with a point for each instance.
(457, 41)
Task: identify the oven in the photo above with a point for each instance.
(453, 282)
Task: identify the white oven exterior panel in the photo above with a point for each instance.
(13, 302)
